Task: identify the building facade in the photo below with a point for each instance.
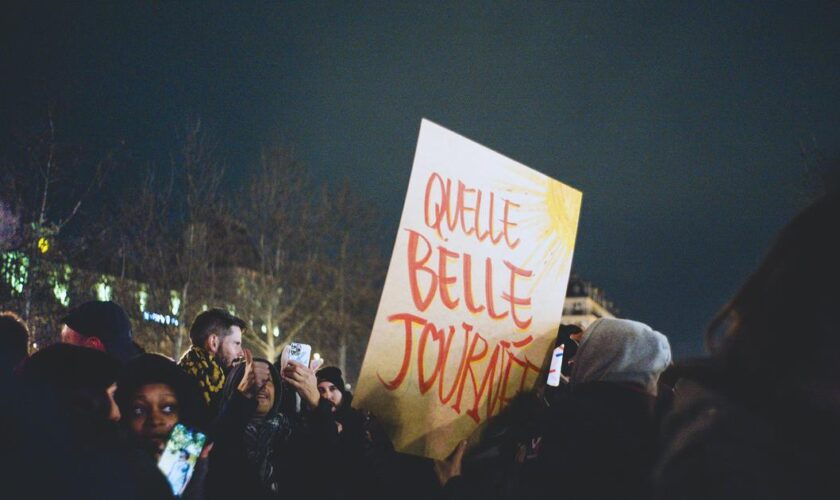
(585, 303)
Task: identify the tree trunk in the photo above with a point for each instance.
(182, 325)
(269, 333)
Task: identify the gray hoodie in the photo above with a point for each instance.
(621, 350)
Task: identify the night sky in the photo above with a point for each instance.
(683, 123)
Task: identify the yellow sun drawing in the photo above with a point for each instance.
(549, 210)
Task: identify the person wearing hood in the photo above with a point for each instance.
(260, 450)
(599, 440)
(605, 443)
(68, 420)
(154, 394)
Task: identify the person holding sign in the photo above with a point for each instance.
(600, 440)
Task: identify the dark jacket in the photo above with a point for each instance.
(598, 438)
(270, 457)
(366, 465)
(55, 443)
(597, 442)
(719, 444)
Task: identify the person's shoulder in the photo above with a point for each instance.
(708, 437)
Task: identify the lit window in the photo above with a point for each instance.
(174, 302)
(60, 280)
(142, 298)
(15, 270)
(103, 290)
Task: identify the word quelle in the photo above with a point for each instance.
(448, 209)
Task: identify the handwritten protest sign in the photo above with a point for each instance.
(473, 296)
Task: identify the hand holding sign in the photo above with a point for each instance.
(451, 467)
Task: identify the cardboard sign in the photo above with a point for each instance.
(473, 296)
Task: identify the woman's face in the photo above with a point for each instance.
(153, 411)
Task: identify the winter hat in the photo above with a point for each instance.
(621, 350)
(332, 374)
(106, 321)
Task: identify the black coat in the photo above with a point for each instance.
(597, 442)
(719, 444)
(294, 449)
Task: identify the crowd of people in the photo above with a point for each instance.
(93, 416)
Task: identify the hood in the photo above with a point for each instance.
(151, 368)
(235, 376)
(623, 351)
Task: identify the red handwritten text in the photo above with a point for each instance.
(440, 281)
(446, 208)
(475, 381)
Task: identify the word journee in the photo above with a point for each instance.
(450, 208)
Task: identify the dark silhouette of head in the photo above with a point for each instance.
(100, 325)
(14, 340)
(779, 332)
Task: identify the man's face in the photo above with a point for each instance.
(330, 392)
(265, 396)
(230, 348)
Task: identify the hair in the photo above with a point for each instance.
(14, 337)
(213, 322)
(147, 369)
(78, 376)
(565, 332)
(778, 332)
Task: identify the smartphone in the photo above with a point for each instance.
(556, 365)
(180, 455)
(300, 353)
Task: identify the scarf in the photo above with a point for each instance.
(262, 437)
(201, 365)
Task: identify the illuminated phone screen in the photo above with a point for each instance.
(180, 455)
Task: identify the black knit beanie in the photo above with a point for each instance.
(332, 374)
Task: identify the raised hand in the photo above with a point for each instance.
(451, 467)
(248, 385)
(304, 381)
